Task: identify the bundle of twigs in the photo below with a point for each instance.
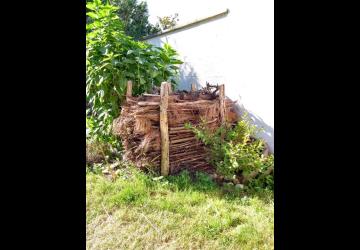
(138, 127)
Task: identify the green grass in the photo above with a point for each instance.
(178, 212)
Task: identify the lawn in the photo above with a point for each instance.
(137, 211)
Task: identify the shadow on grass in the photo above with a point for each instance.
(132, 180)
(201, 182)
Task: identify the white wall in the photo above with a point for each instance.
(237, 50)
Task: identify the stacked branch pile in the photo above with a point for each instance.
(139, 127)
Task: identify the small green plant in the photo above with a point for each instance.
(236, 151)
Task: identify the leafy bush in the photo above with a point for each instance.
(112, 58)
(235, 151)
(134, 14)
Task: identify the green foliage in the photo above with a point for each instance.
(112, 58)
(135, 18)
(235, 151)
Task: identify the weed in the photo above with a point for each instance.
(236, 151)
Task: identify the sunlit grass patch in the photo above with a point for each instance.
(138, 211)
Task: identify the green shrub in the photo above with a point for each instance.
(134, 14)
(112, 58)
(235, 151)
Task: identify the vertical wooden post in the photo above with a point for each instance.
(193, 87)
(222, 103)
(164, 130)
(169, 86)
(129, 89)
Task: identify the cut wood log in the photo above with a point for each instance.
(182, 140)
(192, 152)
(148, 103)
(183, 131)
(190, 159)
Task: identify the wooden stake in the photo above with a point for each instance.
(164, 129)
(193, 87)
(129, 89)
(169, 86)
(222, 103)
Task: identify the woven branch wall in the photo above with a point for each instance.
(138, 126)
